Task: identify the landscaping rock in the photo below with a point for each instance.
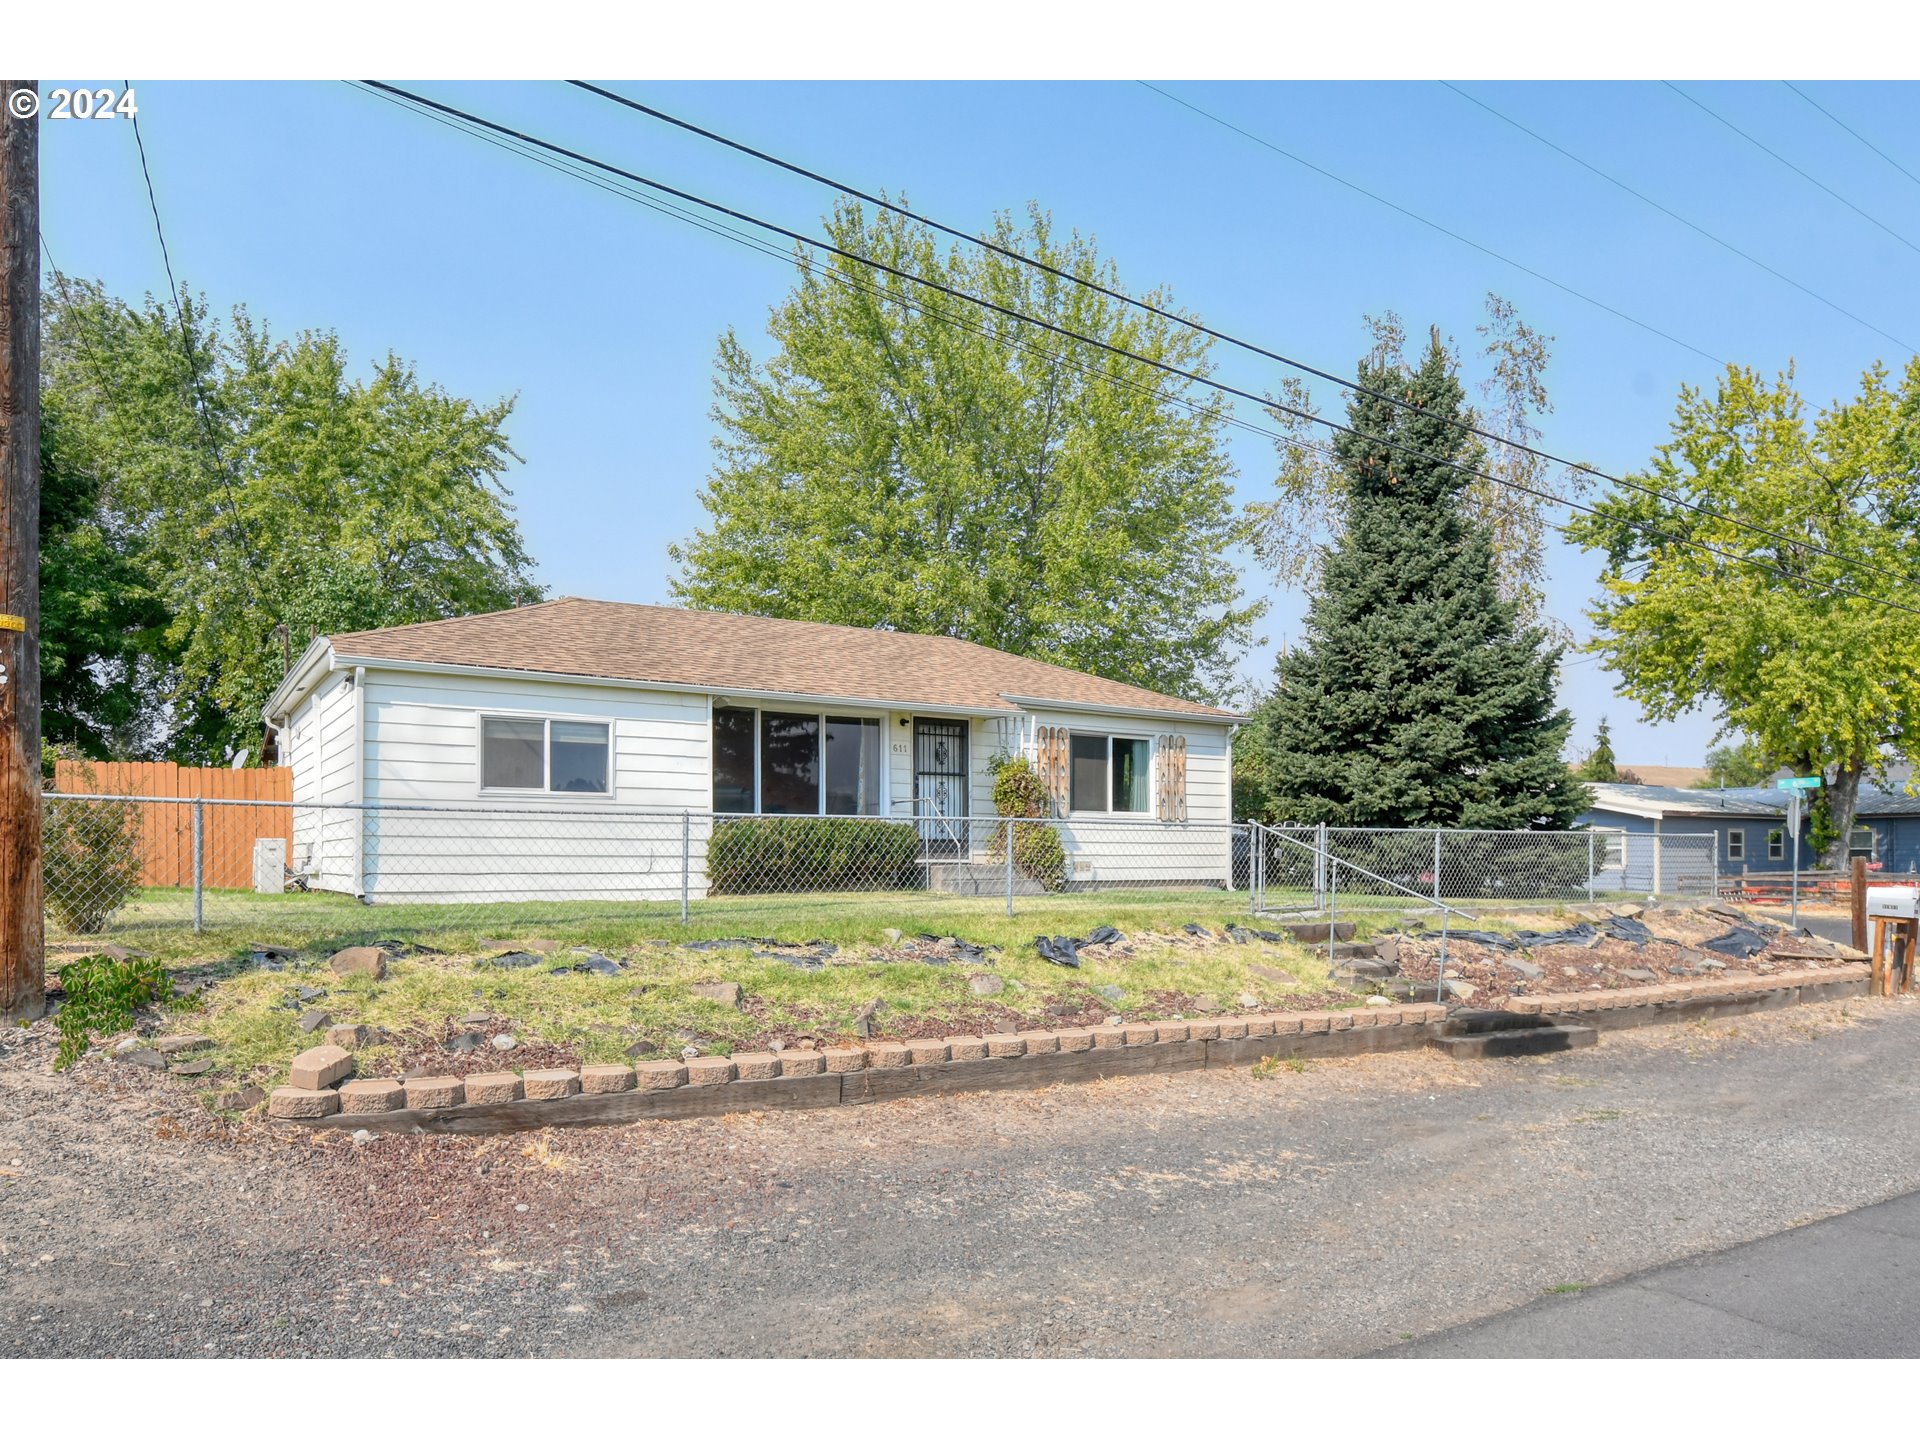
(863, 1019)
(1387, 947)
(180, 1044)
(1460, 989)
(1192, 929)
(722, 992)
(641, 1048)
(319, 1068)
(595, 963)
(1627, 912)
(360, 960)
(193, 1067)
(313, 1020)
(1646, 977)
(144, 1058)
(349, 1037)
(478, 1017)
(1522, 967)
(1379, 1000)
(986, 984)
(890, 935)
(465, 1041)
(1110, 993)
(245, 1098)
(514, 960)
(307, 992)
(504, 1042)
(1248, 1002)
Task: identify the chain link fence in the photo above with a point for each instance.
(131, 865)
(1311, 869)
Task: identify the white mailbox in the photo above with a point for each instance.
(1894, 902)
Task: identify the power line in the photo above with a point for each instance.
(1350, 384)
(196, 400)
(1851, 131)
(1811, 180)
(1265, 401)
(1646, 199)
(1433, 224)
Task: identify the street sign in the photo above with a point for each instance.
(1799, 782)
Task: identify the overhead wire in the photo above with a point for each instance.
(1268, 402)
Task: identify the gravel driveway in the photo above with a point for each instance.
(1335, 1211)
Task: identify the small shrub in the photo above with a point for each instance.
(1037, 851)
(91, 855)
(786, 854)
(102, 995)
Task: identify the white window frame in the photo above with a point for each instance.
(819, 811)
(546, 790)
(1873, 843)
(1777, 844)
(1736, 844)
(1153, 764)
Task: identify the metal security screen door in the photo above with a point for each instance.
(940, 784)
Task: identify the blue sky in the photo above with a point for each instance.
(320, 206)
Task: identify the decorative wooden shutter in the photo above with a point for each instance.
(1170, 799)
(1050, 751)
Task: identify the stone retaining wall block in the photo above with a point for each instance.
(1040, 1042)
(884, 1055)
(761, 1065)
(660, 1075)
(1109, 1037)
(1141, 1034)
(434, 1092)
(320, 1068)
(1168, 1034)
(1073, 1042)
(1233, 1029)
(1005, 1047)
(493, 1089)
(550, 1084)
(966, 1047)
(709, 1070)
(291, 1103)
(802, 1062)
(605, 1079)
(844, 1059)
(927, 1052)
(371, 1097)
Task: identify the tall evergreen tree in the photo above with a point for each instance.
(1419, 697)
(1600, 764)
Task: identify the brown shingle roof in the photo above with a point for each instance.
(710, 650)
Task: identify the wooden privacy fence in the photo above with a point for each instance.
(229, 825)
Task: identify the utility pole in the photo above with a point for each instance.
(22, 934)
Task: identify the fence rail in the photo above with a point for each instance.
(144, 863)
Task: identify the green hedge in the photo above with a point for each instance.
(775, 854)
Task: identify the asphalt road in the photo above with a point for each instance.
(1845, 1287)
(1340, 1210)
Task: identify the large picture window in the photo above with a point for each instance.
(1110, 774)
(778, 762)
(558, 757)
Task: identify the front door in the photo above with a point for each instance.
(940, 785)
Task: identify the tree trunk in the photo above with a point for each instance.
(1843, 798)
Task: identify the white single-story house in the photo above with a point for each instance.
(584, 748)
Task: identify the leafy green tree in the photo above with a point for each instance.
(253, 481)
(101, 621)
(1738, 763)
(906, 460)
(1419, 697)
(1822, 681)
(1600, 766)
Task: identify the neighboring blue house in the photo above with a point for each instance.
(1750, 824)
